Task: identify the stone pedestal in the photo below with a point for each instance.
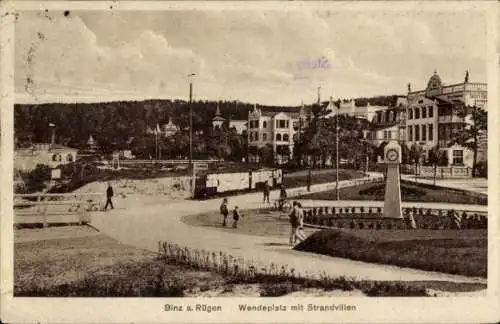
(392, 201)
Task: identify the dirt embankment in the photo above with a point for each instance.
(171, 187)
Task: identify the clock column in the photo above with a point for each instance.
(392, 201)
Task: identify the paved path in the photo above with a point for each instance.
(144, 226)
(478, 185)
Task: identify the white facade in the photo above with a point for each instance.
(45, 154)
(239, 125)
(276, 129)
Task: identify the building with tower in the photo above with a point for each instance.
(431, 117)
(218, 120)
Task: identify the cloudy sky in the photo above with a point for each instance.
(258, 56)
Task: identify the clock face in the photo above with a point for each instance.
(391, 155)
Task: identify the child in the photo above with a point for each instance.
(224, 211)
(236, 216)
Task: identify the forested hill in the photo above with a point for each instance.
(116, 122)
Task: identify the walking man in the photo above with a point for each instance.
(309, 179)
(109, 195)
(224, 211)
(266, 192)
(299, 234)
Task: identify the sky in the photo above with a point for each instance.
(265, 57)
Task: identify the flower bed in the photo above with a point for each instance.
(372, 218)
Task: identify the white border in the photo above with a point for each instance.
(118, 310)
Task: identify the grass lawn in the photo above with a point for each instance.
(76, 262)
(299, 178)
(258, 222)
(409, 192)
(456, 252)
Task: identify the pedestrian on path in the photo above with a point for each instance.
(109, 196)
(224, 211)
(299, 234)
(309, 179)
(266, 192)
(236, 216)
(294, 223)
(283, 197)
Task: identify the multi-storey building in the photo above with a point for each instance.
(431, 117)
(277, 129)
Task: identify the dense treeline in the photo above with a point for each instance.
(112, 123)
(125, 125)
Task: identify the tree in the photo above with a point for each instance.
(416, 154)
(473, 127)
(266, 154)
(436, 157)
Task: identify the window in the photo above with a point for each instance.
(287, 124)
(417, 113)
(286, 138)
(278, 137)
(410, 113)
(264, 124)
(389, 134)
(431, 132)
(458, 157)
(264, 136)
(295, 125)
(417, 133)
(54, 157)
(282, 123)
(410, 133)
(256, 136)
(424, 132)
(420, 101)
(69, 158)
(431, 112)
(424, 112)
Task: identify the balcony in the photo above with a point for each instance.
(450, 119)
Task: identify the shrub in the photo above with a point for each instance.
(278, 289)
(482, 169)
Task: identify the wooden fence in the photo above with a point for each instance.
(47, 209)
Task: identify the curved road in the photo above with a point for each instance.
(145, 224)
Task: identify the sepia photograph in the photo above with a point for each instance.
(249, 151)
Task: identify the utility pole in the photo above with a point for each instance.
(336, 151)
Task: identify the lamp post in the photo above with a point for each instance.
(365, 140)
(191, 166)
(191, 77)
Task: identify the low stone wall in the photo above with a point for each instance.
(372, 218)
